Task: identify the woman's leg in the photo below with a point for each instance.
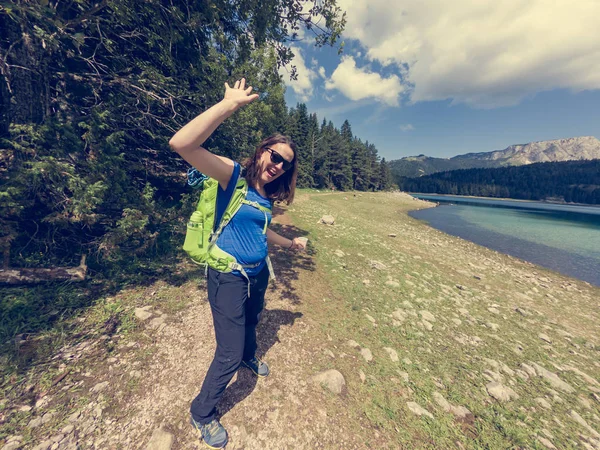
(254, 306)
(227, 295)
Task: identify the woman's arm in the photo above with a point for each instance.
(277, 239)
(188, 141)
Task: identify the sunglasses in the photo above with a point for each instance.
(276, 158)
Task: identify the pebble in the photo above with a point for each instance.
(160, 440)
(543, 403)
(366, 353)
(552, 378)
(99, 387)
(393, 354)
(426, 315)
(332, 379)
(142, 313)
(500, 392)
(419, 410)
(353, 344)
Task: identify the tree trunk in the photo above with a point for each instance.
(32, 276)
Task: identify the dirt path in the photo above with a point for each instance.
(130, 395)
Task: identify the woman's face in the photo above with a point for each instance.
(272, 161)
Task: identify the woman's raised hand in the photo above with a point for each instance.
(239, 94)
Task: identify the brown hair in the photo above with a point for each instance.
(284, 187)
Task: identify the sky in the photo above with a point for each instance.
(443, 78)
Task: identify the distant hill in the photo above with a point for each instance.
(569, 181)
(578, 148)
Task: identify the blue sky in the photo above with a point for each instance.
(444, 78)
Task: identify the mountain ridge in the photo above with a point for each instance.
(567, 149)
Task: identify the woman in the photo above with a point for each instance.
(237, 299)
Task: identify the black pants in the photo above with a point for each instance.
(235, 316)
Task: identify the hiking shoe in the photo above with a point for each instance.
(212, 434)
(257, 366)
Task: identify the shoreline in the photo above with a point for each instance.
(507, 199)
(515, 256)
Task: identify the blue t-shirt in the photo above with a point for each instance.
(243, 237)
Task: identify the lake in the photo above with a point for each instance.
(564, 238)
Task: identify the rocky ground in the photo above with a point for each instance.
(386, 334)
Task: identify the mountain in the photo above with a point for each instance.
(578, 148)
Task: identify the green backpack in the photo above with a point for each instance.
(201, 241)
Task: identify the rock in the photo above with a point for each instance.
(370, 319)
(583, 375)
(552, 378)
(543, 403)
(378, 265)
(581, 421)
(392, 235)
(339, 253)
(528, 369)
(156, 323)
(142, 314)
(493, 310)
(329, 353)
(47, 417)
(160, 440)
(74, 417)
(34, 423)
(327, 220)
(332, 379)
(399, 315)
(393, 354)
(523, 312)
(418, 410)
(461, 412)
(99, 387)
(44, 445)
(440, 400)
(427, 316)
(427, 325)
(392, 283)
(353, 344)
(362, 376)
(12, 445)
(68, 429)
(493, 326)
(546, 443)
(366, 353)
(545, 338)
(500, 392)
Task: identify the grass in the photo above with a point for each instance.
(474, 335)
(449, 359)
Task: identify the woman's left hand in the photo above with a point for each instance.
(298, 244)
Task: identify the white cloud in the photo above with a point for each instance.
(487, 53)
(406, 127)
(303, 86)
(358, 84)
(322, 72)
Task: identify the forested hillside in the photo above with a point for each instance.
(91, 92)
(570, 181)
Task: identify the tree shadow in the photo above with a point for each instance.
(266, 334)
(286, 263)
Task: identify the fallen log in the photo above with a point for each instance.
(38, 275)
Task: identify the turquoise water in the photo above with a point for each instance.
(564, 238)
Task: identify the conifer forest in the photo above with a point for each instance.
(92, 91)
